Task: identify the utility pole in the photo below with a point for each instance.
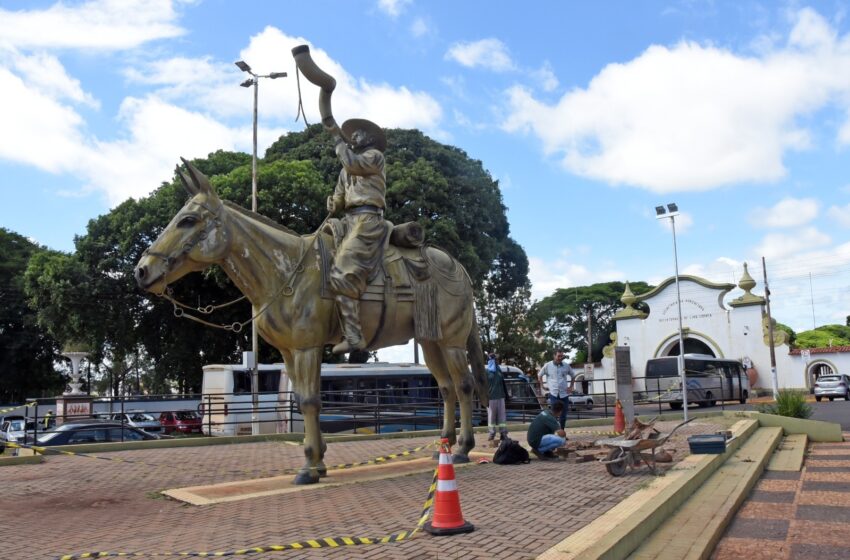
(589, 334)
(770, 334)
(254, 82)
(812, 295)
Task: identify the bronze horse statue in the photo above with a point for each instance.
(282, 274)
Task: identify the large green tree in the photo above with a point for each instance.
(562, 318)
(28, 353)
(824, 337)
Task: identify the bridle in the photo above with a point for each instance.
(167, 292)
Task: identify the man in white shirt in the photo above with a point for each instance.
(556, 382)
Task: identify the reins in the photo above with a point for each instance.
(179, 308)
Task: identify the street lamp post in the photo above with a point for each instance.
(254, 80)
(671, 212)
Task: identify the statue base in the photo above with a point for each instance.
(73, 407)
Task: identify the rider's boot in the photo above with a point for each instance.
(349, 311)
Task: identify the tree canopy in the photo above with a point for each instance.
(562, 318)
(27, 351)
(824, 337)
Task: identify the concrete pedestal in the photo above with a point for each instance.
(72, 407)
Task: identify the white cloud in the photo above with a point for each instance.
(215, 87)
(393, 8)
(545, 76)
(840, 214)
(491, 54)
(692, 117)
(44, 72)
(684, 221)
(419, 27)
(97, 24)
(781, 245)
(187, 114)
(788, 212)
(37, 129)
(547, 275)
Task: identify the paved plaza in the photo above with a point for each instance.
(71, 505)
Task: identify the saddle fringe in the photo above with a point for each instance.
(426, 314)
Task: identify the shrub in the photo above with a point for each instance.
(789, 403)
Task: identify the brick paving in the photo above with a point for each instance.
(796, 515)
(71, 505)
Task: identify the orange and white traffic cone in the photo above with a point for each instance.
(447, 518)
(619, 418)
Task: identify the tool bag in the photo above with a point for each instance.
(510, 452)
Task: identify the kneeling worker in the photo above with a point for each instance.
(545, 433)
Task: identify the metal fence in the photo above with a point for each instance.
(375, 410)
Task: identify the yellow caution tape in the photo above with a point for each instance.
(45, 450)
(10, 409)
(375, 461)
(322, 542)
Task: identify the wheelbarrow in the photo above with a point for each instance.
(629, 453)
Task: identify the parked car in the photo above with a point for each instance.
(183, 421)
(14, 429)
(92, 431)
(832, 386)
(138, 419)
(580, 399)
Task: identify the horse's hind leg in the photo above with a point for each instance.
(306, 379)
(464, 385)
(436, 362)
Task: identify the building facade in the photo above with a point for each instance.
(716, 323)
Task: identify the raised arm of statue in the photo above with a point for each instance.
(370, 162)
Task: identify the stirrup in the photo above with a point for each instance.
(345, 347)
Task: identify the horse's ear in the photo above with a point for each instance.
(187, 182)
(199, 179)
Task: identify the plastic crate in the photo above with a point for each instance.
(708, 444)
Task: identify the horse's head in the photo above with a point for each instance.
(193, 240)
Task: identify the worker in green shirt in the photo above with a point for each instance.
(545, 433)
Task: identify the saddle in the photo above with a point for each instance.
(404, 275)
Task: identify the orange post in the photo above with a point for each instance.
(619, 418)
(447, 518)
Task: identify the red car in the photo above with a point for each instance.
(183, 421)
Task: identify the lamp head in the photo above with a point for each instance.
(247, 83)
(659, 211)
(275, 75)
(243, 65)
(673, 207)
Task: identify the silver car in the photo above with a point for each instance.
(831, 386)
(139, 419)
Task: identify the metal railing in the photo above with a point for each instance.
(384, 410)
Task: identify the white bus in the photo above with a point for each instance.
(227, 404)
(709, 380)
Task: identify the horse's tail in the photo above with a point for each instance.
(476, 362)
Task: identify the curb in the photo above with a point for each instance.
(623, 528)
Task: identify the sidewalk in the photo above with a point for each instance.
(796, 515)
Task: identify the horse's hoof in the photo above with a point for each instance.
(306, 477)
(459, 459)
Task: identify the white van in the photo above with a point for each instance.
(709, 380)
(226, 404)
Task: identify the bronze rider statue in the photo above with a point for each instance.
(360, 192)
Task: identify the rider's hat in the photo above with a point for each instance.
(379, 140)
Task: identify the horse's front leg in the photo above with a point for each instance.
(464, 387)
(308, 368)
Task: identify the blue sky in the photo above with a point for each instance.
(588, 114)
